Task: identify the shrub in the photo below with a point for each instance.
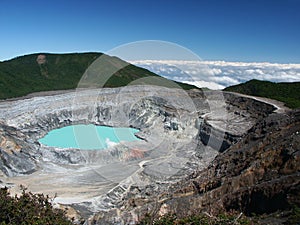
(29, 208)
(201, 218)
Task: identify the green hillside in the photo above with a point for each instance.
(289, 93)
(44, 72)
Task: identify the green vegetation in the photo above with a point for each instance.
(295, 215)
(23, 75)
(37, 209)
(44, 72)
(201, 218)
(289, 93)
(291, 216)
(29, 209)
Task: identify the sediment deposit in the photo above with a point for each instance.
(182, 133)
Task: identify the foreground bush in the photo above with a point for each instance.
(201, 218)
(28, 208)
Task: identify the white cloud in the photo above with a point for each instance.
(211, 85)
(220, 74)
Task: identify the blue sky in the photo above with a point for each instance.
(230, 30)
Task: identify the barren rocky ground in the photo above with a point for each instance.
(206, 151)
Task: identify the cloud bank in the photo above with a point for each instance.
(220, 74)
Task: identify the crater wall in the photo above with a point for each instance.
(181, 131)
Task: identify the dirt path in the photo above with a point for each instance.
(280, 107)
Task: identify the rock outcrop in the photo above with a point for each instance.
(16, 156)
(258, 175)
(182, 134)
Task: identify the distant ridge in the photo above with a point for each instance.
(47, 72)
(289, 93)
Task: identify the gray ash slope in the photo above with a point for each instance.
(23, 122)
(186, 134)
(260, 176)
(258, 173)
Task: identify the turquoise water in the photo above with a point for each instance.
(88, 137)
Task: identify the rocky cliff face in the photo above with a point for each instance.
(16, 156)
(182, 134)
(258, 175)
(157, 112)
(23, 122)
